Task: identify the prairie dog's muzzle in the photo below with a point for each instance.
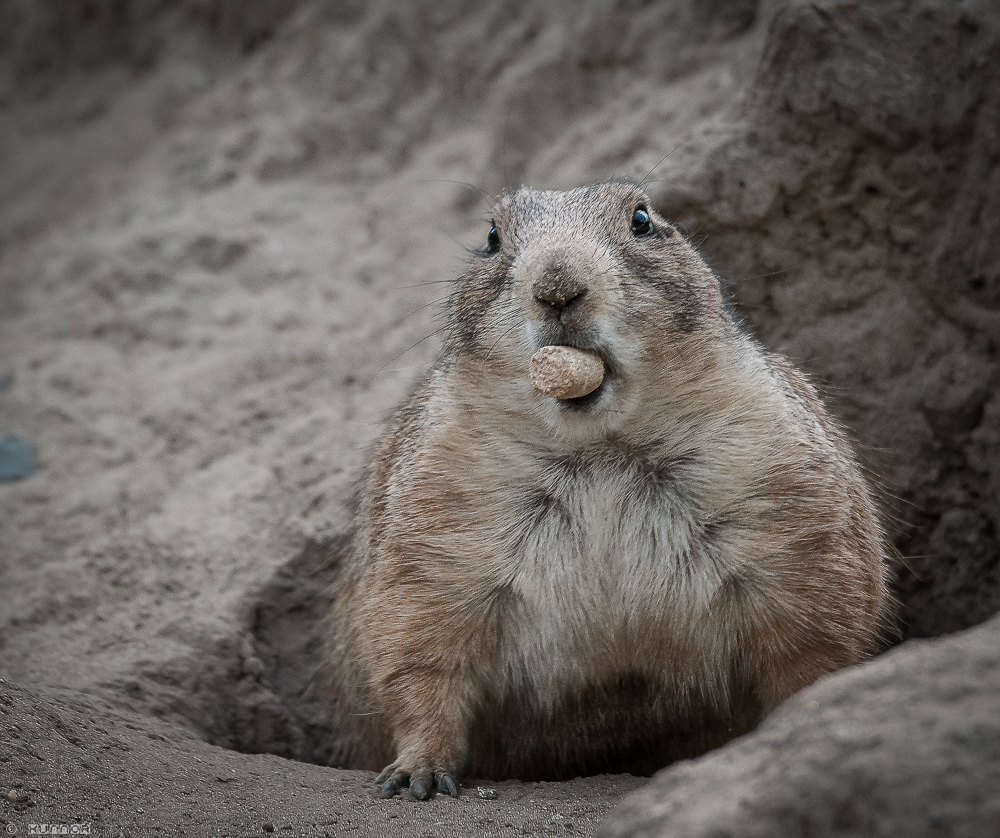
(563, 285)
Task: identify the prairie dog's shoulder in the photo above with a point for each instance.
(802, 397)
(410, 425)
(424, 410)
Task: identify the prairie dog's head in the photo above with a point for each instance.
(594, 268)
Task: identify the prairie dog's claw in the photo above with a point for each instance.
(446, 784)
(422, 784)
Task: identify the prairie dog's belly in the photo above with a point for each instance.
(603, 661)
(611, 572)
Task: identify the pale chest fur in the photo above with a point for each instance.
(607, 557)
(606, 568)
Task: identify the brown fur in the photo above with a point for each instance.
(539, 590)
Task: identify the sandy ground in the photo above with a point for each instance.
(224, 231)
(125, 775)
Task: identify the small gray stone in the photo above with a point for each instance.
(17, 458)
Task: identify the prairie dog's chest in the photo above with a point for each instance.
(603, 551)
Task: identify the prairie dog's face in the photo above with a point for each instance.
(594, 268)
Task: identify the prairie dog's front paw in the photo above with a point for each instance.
(422, 780)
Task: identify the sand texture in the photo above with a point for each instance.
(225, 229)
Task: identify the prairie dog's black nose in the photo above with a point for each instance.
(558, 288)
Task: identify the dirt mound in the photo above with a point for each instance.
(868, 752)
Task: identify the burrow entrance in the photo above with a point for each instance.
(268, 698)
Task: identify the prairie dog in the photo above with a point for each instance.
(542, 588)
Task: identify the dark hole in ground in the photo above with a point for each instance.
(279, 707)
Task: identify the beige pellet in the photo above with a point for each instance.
(563, 372)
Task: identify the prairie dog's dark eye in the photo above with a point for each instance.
(641, 224)
(493, 240)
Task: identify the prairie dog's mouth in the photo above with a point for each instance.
(582, 403)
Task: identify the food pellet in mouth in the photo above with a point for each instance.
(563, 372)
